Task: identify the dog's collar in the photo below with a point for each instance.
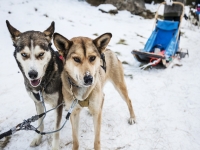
(84, 103)
(72, 83)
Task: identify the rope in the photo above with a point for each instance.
(153, 63)
(67, 118)
(26, 124)
(8, 133)
(42, 101)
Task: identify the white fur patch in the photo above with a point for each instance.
(33, 63)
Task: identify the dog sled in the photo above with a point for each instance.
(162, 47)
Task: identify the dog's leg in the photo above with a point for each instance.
(97, 129)
(119, 84)
(97, 126)
(37, 140)
(56, 136)
(96, 111)
(74, 118)
(121, 88)
(58, 117)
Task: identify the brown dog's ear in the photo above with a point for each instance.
(62, 44)
(13, 32)
(102, 41)
(49, 31)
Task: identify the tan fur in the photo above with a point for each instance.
(84, 48)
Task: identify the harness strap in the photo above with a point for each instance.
(72, 83)
(36, 95)
(104, 62)
(84, 103)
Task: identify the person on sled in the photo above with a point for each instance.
(173, 12)
(198, 8)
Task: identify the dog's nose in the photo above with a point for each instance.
(88, 79)
(33, 74)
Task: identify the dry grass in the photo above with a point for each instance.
(122, 41)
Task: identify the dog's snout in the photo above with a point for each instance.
(33, 74)
(88, 79)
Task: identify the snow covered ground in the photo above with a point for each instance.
(166, 101)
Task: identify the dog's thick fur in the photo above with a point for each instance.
(82, 65)
(41, 68)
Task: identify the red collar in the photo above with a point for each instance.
(61, 57)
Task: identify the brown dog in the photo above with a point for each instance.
(83, 78)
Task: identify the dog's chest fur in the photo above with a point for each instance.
(48, 98)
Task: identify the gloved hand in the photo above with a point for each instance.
(169, 2)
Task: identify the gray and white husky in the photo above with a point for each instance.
(41, 68)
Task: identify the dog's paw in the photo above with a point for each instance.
(131, 121)
(36, 142)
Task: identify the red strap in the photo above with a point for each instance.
(61, 57)
(160, 53)
(153, 58)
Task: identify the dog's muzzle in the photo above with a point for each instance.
(33, 76)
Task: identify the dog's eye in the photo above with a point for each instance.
(76, 59)
(41, 54)
(24, 55)
(92, 58)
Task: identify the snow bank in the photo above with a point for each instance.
(166, 101)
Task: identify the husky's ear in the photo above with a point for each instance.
(62, 44)
(102, 41)
(49, 31)
(13, 32)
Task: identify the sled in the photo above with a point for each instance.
(162, 47)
